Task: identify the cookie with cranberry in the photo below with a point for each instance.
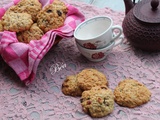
(131, 93)
(31, 7)
(16, 22)
(34, 33)
(70, 86)
(98, 102)
(52, 16)
(89, 78)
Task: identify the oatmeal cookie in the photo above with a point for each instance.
(59, 4)
(98, 102)
(131, 93)
(16, 22)
(1, 26)
(31, 7)
(34, 33)
(70, 87)
(52, 16)
(89, 78)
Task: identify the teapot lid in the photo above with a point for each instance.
(147, 11)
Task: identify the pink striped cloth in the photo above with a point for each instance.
(25, 58)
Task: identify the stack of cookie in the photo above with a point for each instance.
(74, 85)
(30, 21)
(97, 99)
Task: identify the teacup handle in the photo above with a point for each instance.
(119, 41)
(119, 28)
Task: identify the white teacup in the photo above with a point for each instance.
(97, 32)
(97, 55)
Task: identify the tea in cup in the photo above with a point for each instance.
(97, 32)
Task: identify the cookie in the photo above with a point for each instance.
(31, 7)
(16, 22)
(1, 26)
(98, 102)
(89, 78)
(34, 33)
(131, 93)
(52, 16)
(59, 4)
(70, 87)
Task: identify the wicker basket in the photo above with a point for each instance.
(57, 40)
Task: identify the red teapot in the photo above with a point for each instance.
(141, 25)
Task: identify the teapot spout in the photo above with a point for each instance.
(128, 5)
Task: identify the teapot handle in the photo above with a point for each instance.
(134, 1)
(129, 4)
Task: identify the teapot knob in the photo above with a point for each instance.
(154, 4)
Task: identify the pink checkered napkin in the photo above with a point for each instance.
(25, 58)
